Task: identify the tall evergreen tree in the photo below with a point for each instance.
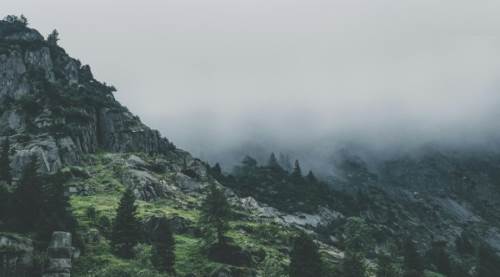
(216, 171)
(297, 172)
(311, 178)
(125, 232)
(273, 163)
(353, 265)
(27, 197)
(413, 263)
(215, 213)
(53, 37)
(163, 242)
(5, 170)
(385, 268)
(56, 213)
(305, 260)
(247, 168)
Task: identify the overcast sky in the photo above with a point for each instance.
(210, 74)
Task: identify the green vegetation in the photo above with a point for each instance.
(273, 185)
(354, 265)
(125, 233)
(385, 267)
(53, 37)
(305, 260)
(163, 253)
(122, 236)
(215, 214)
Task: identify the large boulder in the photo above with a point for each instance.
(144, 184)
(60, 253)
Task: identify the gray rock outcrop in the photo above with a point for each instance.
(52, 107)
(59, 254)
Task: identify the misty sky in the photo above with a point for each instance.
(211, 75)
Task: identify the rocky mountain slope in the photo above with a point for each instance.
(443, 193)
(52, 107)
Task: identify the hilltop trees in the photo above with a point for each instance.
(216, 171)
(125, 231)
(311, 178)
(305, 260)
(273, 163)
(275, 186)
(14, 19)
(215, 213)
(297, 172)
(53, 37)
(163, 256)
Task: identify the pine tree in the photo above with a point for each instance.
(5, 170)
(311, 178)
(353, 265)
(273, 163)
(27, 200)
(56, 213)
(413, 263)
(296, 175)
(305, 260)
(216, 171)
(215, 213)
(163, 242)
(23, 20)
(125, 232)
(247, 168)
(385, 267)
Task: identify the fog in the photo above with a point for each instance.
(223, 78)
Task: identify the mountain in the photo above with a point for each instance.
(53, 109)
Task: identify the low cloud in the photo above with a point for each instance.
(220, 76)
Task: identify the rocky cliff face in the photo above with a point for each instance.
(51, 106)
